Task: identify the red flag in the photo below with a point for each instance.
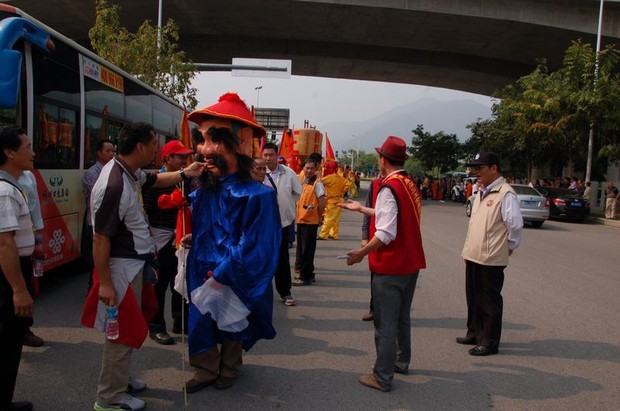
(185, 135)
(133, 319)
(329, 151)
(286, 145)
(263, 141)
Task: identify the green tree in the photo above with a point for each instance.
(545, 117)
(165, 68)
(438, 153)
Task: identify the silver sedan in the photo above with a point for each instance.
(534, 206)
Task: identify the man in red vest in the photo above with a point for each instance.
(395, 257)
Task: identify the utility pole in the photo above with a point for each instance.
(159, 24)
(591, 135)
(258, 89)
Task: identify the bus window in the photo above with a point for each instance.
(162, 115)
(56, 142)
(102, 99)
(98, 129)
(137, 103)
(56, 76)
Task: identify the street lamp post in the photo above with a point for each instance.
(258, 89)
(160, 13)
(358, 150)
(591, 135)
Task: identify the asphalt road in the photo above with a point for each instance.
(560, 347)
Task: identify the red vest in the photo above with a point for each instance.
(405, 254)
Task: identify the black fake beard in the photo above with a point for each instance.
(210, 180)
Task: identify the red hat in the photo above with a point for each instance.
(175, 147)
(230, 106)
(394, 149)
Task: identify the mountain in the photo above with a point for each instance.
(451, 117)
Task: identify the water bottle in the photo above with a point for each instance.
(111, 324)
(37, 258)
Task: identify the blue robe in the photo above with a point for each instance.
(236, 234)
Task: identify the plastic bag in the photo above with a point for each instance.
(180, 284)
(223, 304)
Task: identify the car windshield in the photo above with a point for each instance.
(527, 190)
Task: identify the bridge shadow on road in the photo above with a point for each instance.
(570, 349)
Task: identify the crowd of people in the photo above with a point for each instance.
(197, 228)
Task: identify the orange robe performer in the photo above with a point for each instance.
(335, 188)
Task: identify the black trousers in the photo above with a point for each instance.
(283, 272)
(485, 305)
(168, 264)
(12, 330)
(86, 249)
(306, 248)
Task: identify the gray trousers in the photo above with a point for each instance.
(392, 298)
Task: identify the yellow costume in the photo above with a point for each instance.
(335, 188)
(350, 175)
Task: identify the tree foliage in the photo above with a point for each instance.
(165, 68)
(439, 152)
(545, 117)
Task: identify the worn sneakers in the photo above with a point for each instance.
(127, 402)
(135, 385)
(100, 406)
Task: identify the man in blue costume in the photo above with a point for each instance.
(235, 233)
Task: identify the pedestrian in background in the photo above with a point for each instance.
(494, 233)
(163, 222)
(105, 152)
(288, 189)
(611, 196)
(371, 197)
(28, 182)
(336, 186)
(310, 208)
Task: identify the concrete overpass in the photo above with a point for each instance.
(469, 45)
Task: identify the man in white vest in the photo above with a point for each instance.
(494, 233)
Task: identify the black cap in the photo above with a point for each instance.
(484, 158)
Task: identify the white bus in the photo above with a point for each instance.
(68, 99)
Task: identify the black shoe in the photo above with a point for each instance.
(466, 340)
(31, 340)
(300, 282)
(480, 351)
(162, 338)
(193, 385)
(178, 329)
(18, 406)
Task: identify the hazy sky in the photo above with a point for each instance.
(320, 100)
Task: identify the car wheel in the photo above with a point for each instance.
(537, 224)
(468, 209)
